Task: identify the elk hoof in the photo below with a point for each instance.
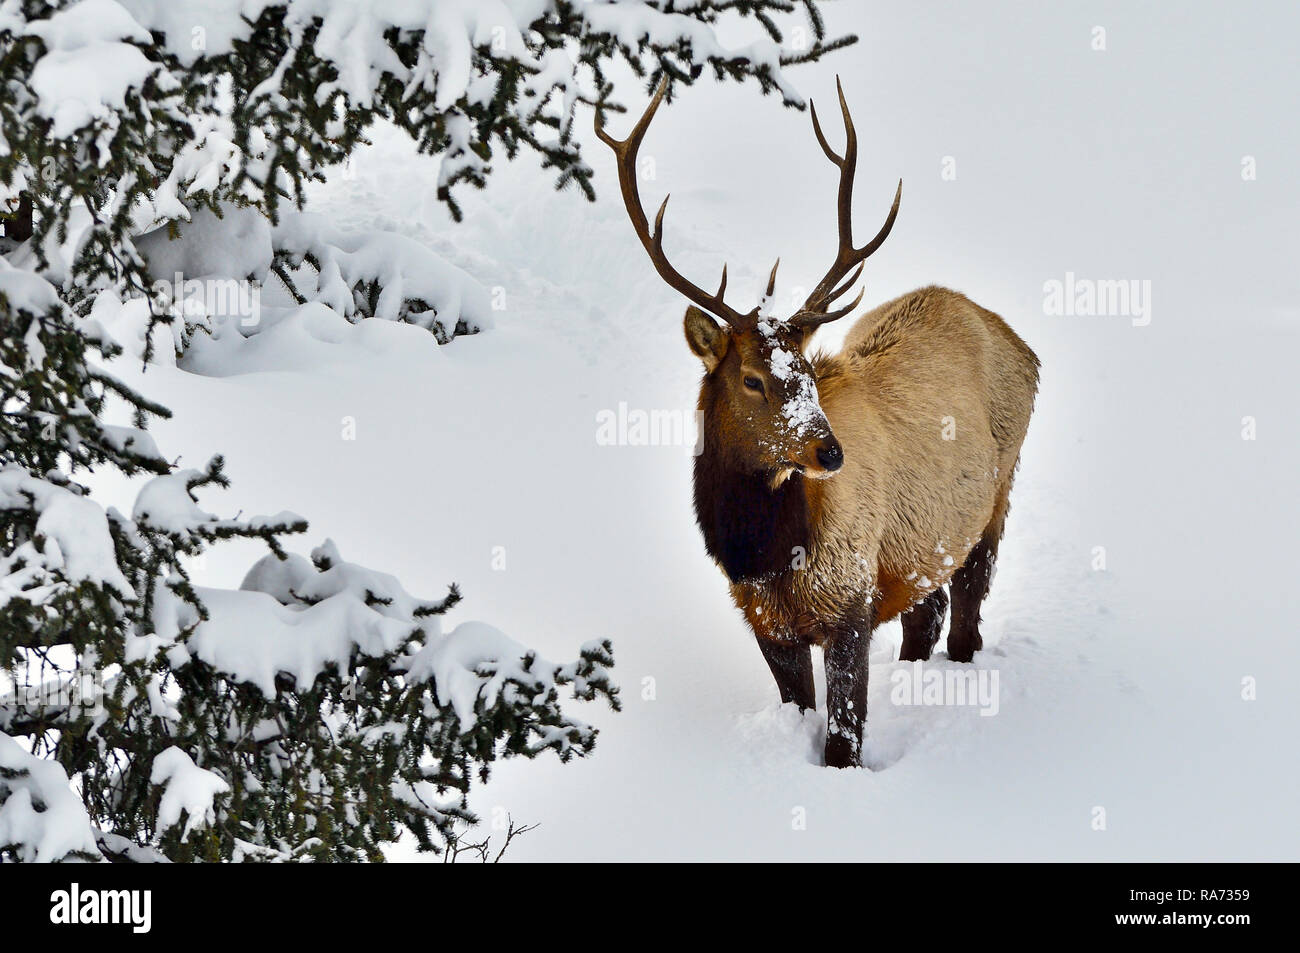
(915, 651)
(842, 752)
(963, 646)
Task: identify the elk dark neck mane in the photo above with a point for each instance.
(749, 528)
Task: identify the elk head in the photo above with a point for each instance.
(759, 394)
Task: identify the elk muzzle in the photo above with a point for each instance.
(830, 455)
(822, 457)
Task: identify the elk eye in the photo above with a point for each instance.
(753, 383)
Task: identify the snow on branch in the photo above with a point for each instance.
(389, 688)
(41, 819)
(467, 78)
(188, 791)
(477, 668)
(380, 275)
(71, 542)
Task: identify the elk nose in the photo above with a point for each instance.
(830, 456)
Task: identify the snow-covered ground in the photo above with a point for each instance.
(1120, 689)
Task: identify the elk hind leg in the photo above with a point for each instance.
(921, 627)
(970, 584)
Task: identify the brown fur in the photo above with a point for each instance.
(904, 512)
(904, 367)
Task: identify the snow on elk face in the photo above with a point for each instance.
(759, 397)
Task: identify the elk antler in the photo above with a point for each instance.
(814, 313)
(625, 154)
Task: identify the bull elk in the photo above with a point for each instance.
(837, 491)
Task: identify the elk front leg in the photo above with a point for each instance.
(791, 665)
(845, 652)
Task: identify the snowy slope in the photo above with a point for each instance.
(1119, 689)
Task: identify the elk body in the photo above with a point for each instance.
(838, 491)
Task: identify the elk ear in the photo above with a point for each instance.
(705, 338)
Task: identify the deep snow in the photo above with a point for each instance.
(1119, 689)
